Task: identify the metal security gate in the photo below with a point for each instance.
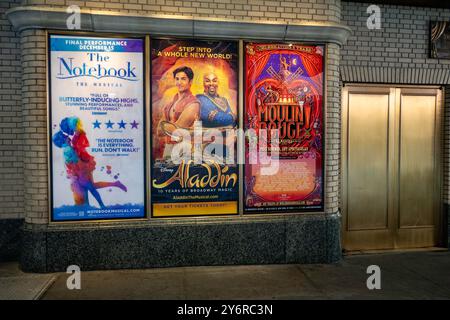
(391, 167)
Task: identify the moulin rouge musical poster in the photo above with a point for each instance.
(284, 91)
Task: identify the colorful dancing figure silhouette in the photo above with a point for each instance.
(80, 165)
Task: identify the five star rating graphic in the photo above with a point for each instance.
(110, 125)
(122, 124)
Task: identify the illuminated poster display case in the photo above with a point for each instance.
(284, 90)
(96, 127)
(194, 115)
(98, 136)
(440, 39)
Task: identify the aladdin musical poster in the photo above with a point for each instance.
(97, 127)
(284, 88)
(194, 114)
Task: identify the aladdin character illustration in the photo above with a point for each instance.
(215, 110)
(79, 164)
(181, 112)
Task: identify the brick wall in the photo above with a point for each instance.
(34, 86)
(333, 130)
(288, 10)
(34, 110)
(11, 171)
(402, 41)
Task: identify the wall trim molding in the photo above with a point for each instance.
(41, 17)
(437, 76)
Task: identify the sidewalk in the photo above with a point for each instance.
(411, 275)
(16, 285)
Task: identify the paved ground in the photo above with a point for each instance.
(412, 275)
(16, 285)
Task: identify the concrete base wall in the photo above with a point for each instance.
(10, 239)
(230, 241)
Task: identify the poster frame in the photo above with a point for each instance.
(150, 126)
(48, 34)
(296, 209)
(430, 40)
